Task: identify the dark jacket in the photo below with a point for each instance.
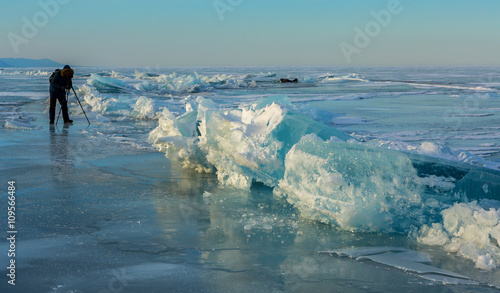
(60, 83)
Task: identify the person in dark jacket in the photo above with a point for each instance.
(60, 82)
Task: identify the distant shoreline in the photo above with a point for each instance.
(40, 63)
(26, 63)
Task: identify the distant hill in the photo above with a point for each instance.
(22, 62)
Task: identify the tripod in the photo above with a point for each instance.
(67, 99)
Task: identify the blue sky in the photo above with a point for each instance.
(253, 32)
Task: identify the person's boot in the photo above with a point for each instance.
(68, 121)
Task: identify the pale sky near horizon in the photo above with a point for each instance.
(253, 32)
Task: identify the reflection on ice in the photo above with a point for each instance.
(61, 154)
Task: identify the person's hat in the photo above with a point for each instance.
(66, 67)
(67, 72)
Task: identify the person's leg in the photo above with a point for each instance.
(52, 107)
(64, 107)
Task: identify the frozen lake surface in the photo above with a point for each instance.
(224, 180)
